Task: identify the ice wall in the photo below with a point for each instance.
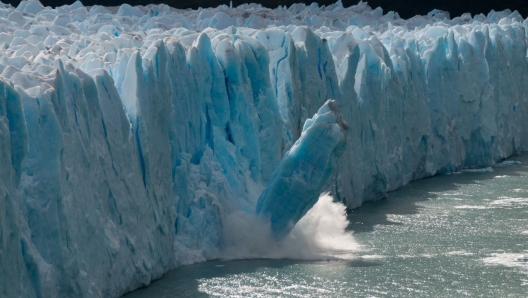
(127, 134)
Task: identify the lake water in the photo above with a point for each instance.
(457, 235)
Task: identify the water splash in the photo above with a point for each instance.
(320, 234)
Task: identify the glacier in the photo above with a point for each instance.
(129, 134)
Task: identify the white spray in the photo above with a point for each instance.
(320, 234)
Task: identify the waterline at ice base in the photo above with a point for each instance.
(136, 139)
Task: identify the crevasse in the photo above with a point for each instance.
(127, 134)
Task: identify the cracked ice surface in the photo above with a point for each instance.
(127, 134)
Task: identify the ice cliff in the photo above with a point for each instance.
(127, 134)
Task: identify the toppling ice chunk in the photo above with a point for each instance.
(303, 172)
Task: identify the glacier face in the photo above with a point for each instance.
(127, 134)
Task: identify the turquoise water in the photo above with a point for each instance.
(453, 235)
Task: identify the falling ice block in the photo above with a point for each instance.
(303, 172)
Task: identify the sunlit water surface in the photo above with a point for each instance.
(464, 234)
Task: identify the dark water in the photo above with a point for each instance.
(454, 235)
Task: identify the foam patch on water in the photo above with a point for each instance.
(373, 257)
(472, 207)
(484, 170)
(459, 253)
(320, 234)
(509, 163)
(519, 260)
(453, 193)
(502, 202)
(455, 196)
(507, 202)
